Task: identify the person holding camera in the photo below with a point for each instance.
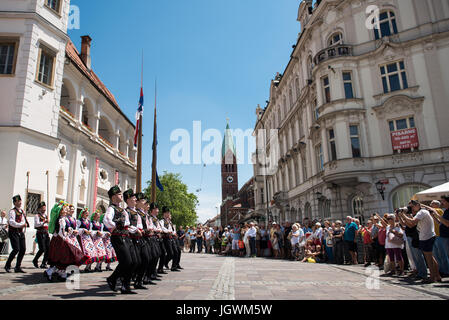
(394, 242)
(417, 261)
(423, 220)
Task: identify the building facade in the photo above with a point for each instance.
(357, 123)
(62, 133)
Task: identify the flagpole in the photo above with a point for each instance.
(139, 143)
(153, 175)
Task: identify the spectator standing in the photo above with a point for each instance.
(368, 243)
(287, 243)
(246, 241)
(192, 239)
(252, 233)
(417, 261)
(280, 237)
(381, 235)
(337, 235)
(181, 236)
(328, 241)
(199, 239)
(350, 238)
(275, 245)
(207, 236)
(394, 243)
(235, 240)
(360, 249)
(263, 241)
(439, 251)
(426, 228)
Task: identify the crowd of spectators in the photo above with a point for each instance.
(412, 242)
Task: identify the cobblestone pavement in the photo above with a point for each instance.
(207, 277)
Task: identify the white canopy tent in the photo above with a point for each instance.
(433, 193)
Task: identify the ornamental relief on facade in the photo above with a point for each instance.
(412, 157)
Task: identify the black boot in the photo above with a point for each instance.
(139, 286)
(35, 264)
(111, 284)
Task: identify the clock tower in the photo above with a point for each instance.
(229, 176)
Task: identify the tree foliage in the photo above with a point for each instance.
(175, 196)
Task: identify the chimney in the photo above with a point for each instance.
(85, 51)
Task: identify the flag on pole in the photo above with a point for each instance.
(158, 183)
(138, 114)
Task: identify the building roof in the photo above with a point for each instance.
(228, 142)
(73, 54)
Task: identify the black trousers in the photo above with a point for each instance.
(143, 256)
(163, 254)
(168, 243)
(156, 253)
(126, 256)
(17, 240)
(43, 241)
(177, 254)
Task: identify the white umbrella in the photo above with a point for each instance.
(432, 193)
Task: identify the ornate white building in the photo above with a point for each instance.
(62, 133)
(357, 111)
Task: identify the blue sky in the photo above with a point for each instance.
(212, 59)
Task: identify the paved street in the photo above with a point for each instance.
(207, 277)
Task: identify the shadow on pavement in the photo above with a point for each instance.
(100, 291)
(29, 278)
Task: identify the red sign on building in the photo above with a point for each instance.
(404, 139)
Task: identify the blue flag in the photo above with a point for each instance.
(158, 183)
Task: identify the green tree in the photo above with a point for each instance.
(175, 196)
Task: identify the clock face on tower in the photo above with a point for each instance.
(230, 179)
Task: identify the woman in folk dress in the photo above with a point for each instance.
(84, 227)
(97, 236)
(63, 251)
(110, 252)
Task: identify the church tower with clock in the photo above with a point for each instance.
(229, 176)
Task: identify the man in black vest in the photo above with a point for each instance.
(43, 239)
(167, 236)
(17, 224)
(117, 221)
(135, 233)
(155, 239)
(176, 247)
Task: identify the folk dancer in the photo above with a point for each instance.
(155, 237)
(42, 236)
(84, 227)
(64, 249)
(110, 252)
(17, 225)
(135, 233)
(147, 250)
(116, 220)
(161, 241)
(167, 236)
(97, 235)
(176, 247)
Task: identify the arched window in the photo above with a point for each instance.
(335, 39)
(387, 25)
(308, 211)
(309, 67)
(299, 215)
(357, 208)
(60, 183)
(401, 197)
(324, 206)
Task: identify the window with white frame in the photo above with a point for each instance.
(355, 141)
(347, 82)
(55, 5)
(394, 77)
(319, 157)
(332, 146)
(326, 89)
(8, 55)
(335, 39)
(387, 25)
(46, 65)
